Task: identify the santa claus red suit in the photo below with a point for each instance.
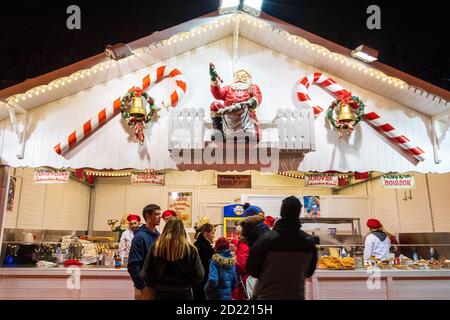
(237, 113)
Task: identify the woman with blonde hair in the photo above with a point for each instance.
(173, 266)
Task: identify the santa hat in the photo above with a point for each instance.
(169, 213)
(269, 221)
(134, 217)
(221, 244)
(374, 224)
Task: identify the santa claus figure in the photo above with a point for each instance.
(236, 116)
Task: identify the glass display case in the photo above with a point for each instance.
(401, 257)
(70, 249)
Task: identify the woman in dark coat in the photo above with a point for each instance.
(205, 238)
(172, 266)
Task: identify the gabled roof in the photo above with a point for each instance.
(264, 30)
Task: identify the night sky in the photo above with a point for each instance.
(34, 39)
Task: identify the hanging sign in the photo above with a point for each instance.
(397, 182)
(234, 181)
(51, 176)
(11, 192)
(181, 203)
(148, 178)
(321, 181)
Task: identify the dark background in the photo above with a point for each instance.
(34, 39)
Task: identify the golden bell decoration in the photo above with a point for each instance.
(346, 114)
(137, 109)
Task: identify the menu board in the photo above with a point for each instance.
(181, 203)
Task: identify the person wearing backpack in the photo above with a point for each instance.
(222, 278)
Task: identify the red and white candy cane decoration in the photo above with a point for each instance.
(370, 116)
(388, 130)
(107, 113)
(319, 79)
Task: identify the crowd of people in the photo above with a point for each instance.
(267, 259)
(253, 265)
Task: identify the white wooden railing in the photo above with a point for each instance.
(292, 130)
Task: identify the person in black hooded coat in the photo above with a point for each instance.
(205, 236)
(281, 259)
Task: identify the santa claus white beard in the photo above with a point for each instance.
(240, 85)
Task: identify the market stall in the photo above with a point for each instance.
(196, 120)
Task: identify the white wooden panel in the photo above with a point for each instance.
(31, 209)
(109, 204)
(214, 212)
(415, 213)
(286, 192)
(237, 193)
(210, 195)
(317, 191)
(54, 209)
(421, 289)
(439, 188)
(353, 289)
(351, 207)
(384, 206)
(76, 206)
(35, 288)
(137, 197)
(107, 289)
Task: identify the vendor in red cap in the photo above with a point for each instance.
(377, 242)
(127, 236)
(166, 215)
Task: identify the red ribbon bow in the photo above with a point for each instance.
(137, 91)
(345, 98)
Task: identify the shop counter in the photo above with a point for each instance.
(65, 283)
(110, 283)
(379, 284)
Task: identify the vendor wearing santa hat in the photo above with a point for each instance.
(127, 236)
(167, 214)
(377, 242)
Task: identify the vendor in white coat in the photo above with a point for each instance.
(377, 242)
(128, 235)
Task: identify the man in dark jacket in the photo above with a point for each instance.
(144, 237)
(281, 259)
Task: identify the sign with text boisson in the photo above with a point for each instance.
(397, 182)
(51, 176)
(321, 181)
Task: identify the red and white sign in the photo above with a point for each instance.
(51, 176)
(321, 181)
(148, 178)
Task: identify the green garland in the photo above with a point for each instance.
(359, 115)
